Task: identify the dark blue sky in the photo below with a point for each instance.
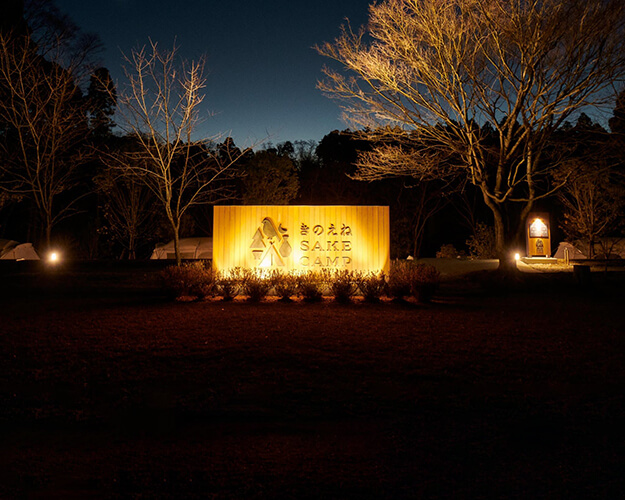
(262, 70)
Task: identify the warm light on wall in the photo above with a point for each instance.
(538, 238)
(301, 238)
(538, 229)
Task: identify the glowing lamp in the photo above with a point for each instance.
(53, 257)
(517, 256)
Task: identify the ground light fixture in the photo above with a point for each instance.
(54, 257)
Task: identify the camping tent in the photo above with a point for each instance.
(614, 247)
(12, 250)
(190, 248)
(569, 251)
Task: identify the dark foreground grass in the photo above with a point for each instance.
(109, 391)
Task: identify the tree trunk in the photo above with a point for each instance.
(502, 245)
(177, 244)
(506, 238)
(131, 248)
(48, 231)
(418, 240)
(591, 247)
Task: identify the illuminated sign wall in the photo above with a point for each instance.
(538, 235)
(302, 238)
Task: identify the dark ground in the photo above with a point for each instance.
(107, 390)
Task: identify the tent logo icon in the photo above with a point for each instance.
(270, 244)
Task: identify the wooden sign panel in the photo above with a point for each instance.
(538, 235)
(301, 238)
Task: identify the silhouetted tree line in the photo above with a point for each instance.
(70, 177)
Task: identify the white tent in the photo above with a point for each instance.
(569, 251)
(12, 250)
(613, 247)
(190, 248)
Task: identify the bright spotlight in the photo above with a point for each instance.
(53, 257)
(517, 256)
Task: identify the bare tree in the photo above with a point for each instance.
(42, 127)
(430, 199)
(593, 201)
(161, 108)
(59, 39)
(128, 209)
(432, 73)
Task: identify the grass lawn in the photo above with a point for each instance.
(107, 390)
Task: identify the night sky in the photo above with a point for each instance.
(261, 67)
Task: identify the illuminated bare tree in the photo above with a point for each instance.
(432, 73)
(42, 127)
(162, 107)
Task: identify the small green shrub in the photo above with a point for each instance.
(310, 286)
(174, 282)
(371, 285)
(254, 284)
(398, 285)
(188, 280)
(204, 283)
(229, 283)
(284, 284)
(342, 284)
(424, 281)
(409, 279)
(482, 244)
(449, 251)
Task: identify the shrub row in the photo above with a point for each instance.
(481, 245)
(405, 279)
